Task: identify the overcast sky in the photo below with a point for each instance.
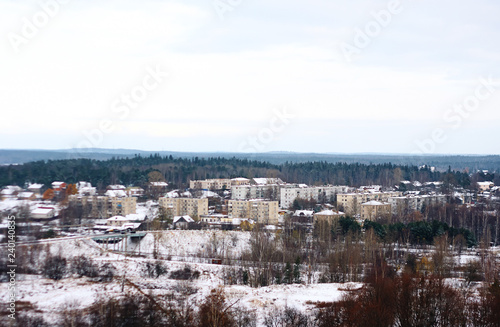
(251, 75)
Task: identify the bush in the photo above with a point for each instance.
(55, 267)
(106, 272)
(214, 311)
(287, 317)
(184, 274)
(154, 270)
(83, 266)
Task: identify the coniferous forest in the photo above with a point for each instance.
(178, 171)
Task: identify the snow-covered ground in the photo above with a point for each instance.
(49, 296)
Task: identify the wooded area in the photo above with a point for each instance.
(178, 172)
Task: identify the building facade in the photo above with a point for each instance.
(102, 207)
(244, 192)
(265, 212)
(351, 202)
(185, 206)
(373, 210)
(289, 193)
(218, 183)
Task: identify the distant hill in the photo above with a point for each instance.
(441, 162)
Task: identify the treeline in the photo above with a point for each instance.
(178, 171)
(417, 232)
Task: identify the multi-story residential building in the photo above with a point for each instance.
(373, 210)
(403, 205)
(218, 183)
(351, 202)
(243, 192)
(265, 212)
(290, 192)
(211, 184)
(185, 206)
(103, 206)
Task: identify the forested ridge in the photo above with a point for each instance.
(178, 171)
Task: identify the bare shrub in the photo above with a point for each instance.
(215, 312)
(185, 274)
(106, 273)
(55, 267)
(84, 266)
(287, 317)
(155, 269)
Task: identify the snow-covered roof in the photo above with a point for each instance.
(83, 184)
(329, 213)
(209, 194)
(178, 194)
(42, 210)
(35, 186)
(307, 213)
(8, 191)
(131, 225)
(374, 203)
(240, 179)
(115, 193)
(188, 219)
(266, 181)
(25, 195)
(136, 216)
(433, 183)
(118, 218)
(260, 181)
(172, 194)
(116, 187)
(159, 184)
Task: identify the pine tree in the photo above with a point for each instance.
(296, 271)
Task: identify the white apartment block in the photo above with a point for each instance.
(244, 192)
(218, 184)
(185, 206)
(351, 202)
(289, 193)
(265, 212)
